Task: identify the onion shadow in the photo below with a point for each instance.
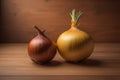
(53, 63)
(88, 63)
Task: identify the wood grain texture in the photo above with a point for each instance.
(103, 64)
(100, 19)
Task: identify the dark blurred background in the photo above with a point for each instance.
(101, 19)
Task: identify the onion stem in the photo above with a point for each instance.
(39, 31)
(75, 17)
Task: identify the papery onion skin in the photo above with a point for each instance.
(41, 49)
(75, 45)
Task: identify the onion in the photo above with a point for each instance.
(41, 49)
(75, 45)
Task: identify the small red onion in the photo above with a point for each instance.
(41, 49)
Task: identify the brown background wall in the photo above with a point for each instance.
(101, 18)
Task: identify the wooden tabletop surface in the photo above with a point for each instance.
(104, 63)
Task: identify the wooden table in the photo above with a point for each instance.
(103, 64)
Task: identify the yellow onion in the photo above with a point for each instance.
(75, 45)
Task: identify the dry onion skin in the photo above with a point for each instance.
(41, 49)
(75, 45)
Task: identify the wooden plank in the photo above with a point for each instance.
(103, 63)
(100, 19)
(58, 77)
